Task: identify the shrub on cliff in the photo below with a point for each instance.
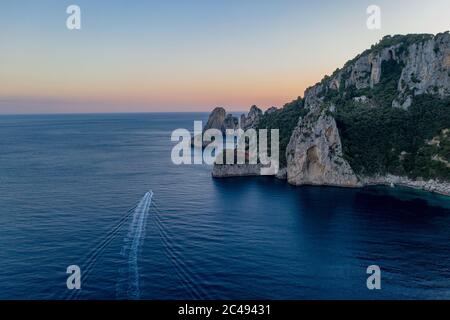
(285, 120)
(383, 139)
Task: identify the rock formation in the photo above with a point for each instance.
(271, 110)
(252, 119)
(314, 154)
(392, 74)
(230, 122)
(216, 119)
(236, 170)
(220, 120)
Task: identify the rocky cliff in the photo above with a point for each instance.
(423, 62)
(375, 121)
(220, 120)
(314, 153)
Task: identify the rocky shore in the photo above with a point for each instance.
(391, 180)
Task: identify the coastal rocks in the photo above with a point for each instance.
(220, 120)
(282, 174)
(216, 119)
(252, 119)
(314, 154)
(249, 121)
(236, 170)
(391, 180)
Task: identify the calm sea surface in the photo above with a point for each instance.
(73, 192)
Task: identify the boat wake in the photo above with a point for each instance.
(128, 284)
(188, 279)
(132, 244)
(90, 260)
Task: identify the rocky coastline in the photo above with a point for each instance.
(315, 150)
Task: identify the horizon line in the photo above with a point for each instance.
(103, 113)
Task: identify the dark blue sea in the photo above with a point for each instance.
(73, 191)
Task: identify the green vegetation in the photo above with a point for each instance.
(285, 120)
(383, 93)
(403, 40)
(383, 139)
(386, 91)
(378, 138)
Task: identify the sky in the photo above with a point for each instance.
(186, 55)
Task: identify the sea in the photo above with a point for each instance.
(92, 207)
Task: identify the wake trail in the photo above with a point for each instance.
(91, 258)
(130, 250)
(189, 280)
(132, 244)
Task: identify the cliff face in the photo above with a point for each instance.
(397, 73)
(314, 153)
(424, 61)
(373, 121)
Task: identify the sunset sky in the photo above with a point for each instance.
(186, 55)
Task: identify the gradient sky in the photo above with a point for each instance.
(186, 55)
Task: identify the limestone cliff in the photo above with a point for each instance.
(372, 122)
(424, 62)
(314, 153)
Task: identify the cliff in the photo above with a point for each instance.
(383, 118)
(314, 153)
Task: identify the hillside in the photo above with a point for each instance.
(384, 117)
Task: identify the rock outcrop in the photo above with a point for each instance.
(236, 170)
(424, 62)
(220, 120)
(252, 119)
(314, 154)
(249, 121)
(271, 110)
(426, 69)
(216, 119)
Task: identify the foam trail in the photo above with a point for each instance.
(91, 259)
(133, 242)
